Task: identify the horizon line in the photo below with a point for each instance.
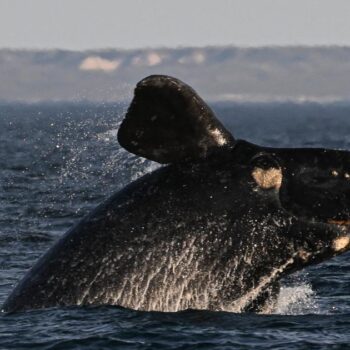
(179, 47)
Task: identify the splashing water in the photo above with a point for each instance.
(296, 300)
(97, 154)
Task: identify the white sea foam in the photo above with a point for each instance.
(148, 167)
(109, 135)
(296, 300)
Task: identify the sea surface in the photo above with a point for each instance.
(58, 161)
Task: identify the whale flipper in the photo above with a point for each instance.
(168, 122)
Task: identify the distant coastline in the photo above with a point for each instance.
(223, 73)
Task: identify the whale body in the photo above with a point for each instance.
(215, 228)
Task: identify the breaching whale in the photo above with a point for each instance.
(215, 228)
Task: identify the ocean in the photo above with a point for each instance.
(58, 161)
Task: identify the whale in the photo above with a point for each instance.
(215, 227)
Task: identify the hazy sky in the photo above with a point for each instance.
(83, 24)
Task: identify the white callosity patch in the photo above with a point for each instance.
(218, 136)
(268, 178)
(341, 243)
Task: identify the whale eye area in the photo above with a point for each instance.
(264, 161)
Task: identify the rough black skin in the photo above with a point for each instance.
(200, 232)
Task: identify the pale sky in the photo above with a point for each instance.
(88, 24)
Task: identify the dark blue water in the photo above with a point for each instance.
(59, 161)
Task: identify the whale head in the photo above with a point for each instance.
(312, 185)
